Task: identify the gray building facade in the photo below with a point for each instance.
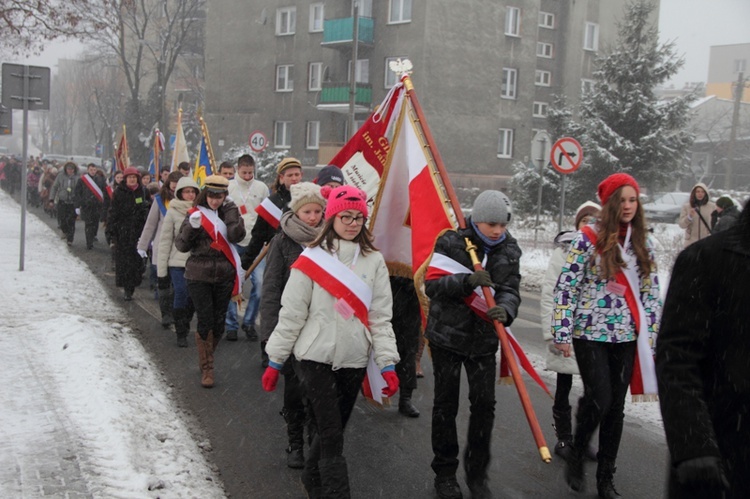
(485, 71)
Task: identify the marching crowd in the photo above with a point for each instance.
(324, 307)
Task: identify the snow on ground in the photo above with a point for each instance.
(83, 380)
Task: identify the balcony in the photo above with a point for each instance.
(339, 33)
(334, 96)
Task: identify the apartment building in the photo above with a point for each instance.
(725, 64)
(485, 72)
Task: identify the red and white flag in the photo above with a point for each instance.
(269, 212)
(121, 153)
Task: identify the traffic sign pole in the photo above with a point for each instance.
(566, 156)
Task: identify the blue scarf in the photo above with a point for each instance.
(489, 244)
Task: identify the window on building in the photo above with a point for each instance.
(510, 83)
(317, 14)
(390, 77)
(399, 11)
(315, 76)
(591, 37)
(365, 8)
(284, 78)
(361, 72)
(544, 50)
(546, 20)
(282, 134)
(286, 21)
(587, 86)
(539, 109)
(313, 134)
(740, 65)
(542, 78)
(513, 21)
(505, 143)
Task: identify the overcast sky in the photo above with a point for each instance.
(694, 25)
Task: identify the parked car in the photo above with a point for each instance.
(666, 207)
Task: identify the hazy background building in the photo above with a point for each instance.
(484, 72)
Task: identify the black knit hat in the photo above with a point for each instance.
(330, 173)
(724, 202)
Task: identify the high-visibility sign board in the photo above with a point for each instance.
(258, 141)
(566, 155)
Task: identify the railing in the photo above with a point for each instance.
(340, 31)
(338, 93)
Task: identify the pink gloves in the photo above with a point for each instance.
(271, 377)
(392, 380)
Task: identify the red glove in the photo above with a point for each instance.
(392, 380)
(270, 378)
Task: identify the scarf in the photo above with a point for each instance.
(297, 230)
(489, 244)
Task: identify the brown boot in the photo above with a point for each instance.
(204, 346)
(208, 375)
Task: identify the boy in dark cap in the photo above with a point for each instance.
(725, 215)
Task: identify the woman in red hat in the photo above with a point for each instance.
(607, 309)
(127, 215)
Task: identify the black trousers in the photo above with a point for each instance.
(331, 395)
(66, 215)
(480, 372)
(605, 369)
(406, 322)
(91, 215)
(210, 300)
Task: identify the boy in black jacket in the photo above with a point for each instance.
(460, 333)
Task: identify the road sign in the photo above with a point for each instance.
(13, 79)
(258, 141)
(566, 155)
(6, 121)
(541, 146)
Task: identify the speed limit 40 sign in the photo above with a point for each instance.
(258, 141)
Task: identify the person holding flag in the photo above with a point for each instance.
(248, 192)
(92, 202)
(460, 333)
(607, 309)
(212, 270)
(335, 313)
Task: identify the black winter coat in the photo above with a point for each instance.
(262, 231)
(205, 263)
(703, 357)
(127, 215)
(725, 219)
(282, 253)
(451, 324)
(87, 200)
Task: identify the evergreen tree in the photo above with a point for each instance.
(622, 126)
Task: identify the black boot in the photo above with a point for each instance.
(574, 470)
(181, 326)
(166, 297)
(405, 406)
(334, 478)
(564, 432)
(295, 429)
(311, 481)
(605, 474)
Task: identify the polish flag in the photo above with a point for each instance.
(269, 212)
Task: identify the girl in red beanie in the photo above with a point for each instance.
(335, 316)
(607, 309)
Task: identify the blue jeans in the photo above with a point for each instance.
(181, 295)
(253, 302)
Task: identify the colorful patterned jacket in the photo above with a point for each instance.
(584, 307)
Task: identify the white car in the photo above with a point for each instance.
(667, 207)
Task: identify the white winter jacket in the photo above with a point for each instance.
(311, 329)
(152, 232)
(168, 255)
(248, 195)
(555, 360)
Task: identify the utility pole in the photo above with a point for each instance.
(739, 89)
(353, 72)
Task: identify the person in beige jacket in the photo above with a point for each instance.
(695, 216)
(170, 262)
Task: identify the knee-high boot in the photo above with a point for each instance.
(212, 342)
(605, 474)
(166, 298)
(204, 347)
(334, 478)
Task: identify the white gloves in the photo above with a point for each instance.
(78, 212)
(195, 220)
(142, 253)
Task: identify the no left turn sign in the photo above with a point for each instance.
(566, 155)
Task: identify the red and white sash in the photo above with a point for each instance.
(95, 190)
(643, 385)
(269, 212)
(343, 284)
(217, 230)
(442, 265)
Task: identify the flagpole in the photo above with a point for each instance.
(157, 152)
(175, 152)
(502, 334)
(126, 154)
(211, 160)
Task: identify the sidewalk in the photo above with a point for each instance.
(85, 413)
